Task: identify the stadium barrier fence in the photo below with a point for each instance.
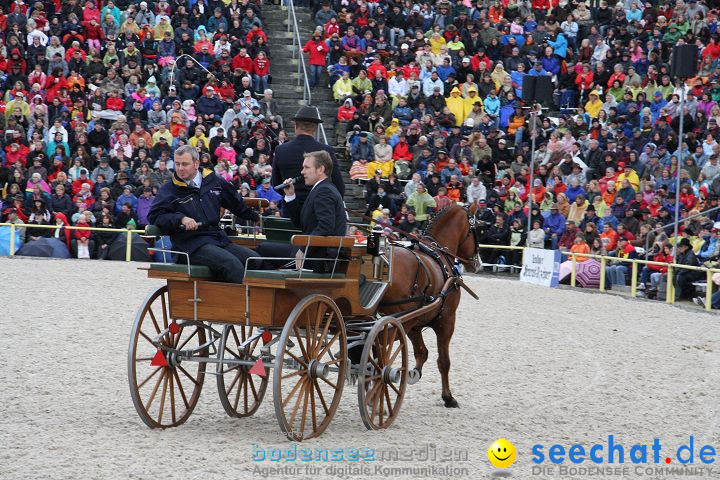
(672, 267)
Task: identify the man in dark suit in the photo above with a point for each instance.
(323, 212)
(288, 161)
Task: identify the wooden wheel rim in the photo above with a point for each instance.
(315, 347)
(385, 348)
(241, 395)
(163, 396)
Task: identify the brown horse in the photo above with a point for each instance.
(415, 274)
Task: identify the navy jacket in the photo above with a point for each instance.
(288, 164)
(176, 200)
(322, 214)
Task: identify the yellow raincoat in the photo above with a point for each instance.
(456, 104)
(594, 105)
(469, 101)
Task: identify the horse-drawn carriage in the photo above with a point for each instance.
(314, 332)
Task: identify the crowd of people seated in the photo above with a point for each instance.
(97, 94)
(429, 107)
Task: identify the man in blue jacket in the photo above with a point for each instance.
(188, 208)
(209, 106)
(554, 225)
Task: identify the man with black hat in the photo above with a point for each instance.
(289, 156)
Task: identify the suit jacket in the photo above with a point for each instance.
(288, 164)
(322, 214)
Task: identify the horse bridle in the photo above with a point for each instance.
(474, 226)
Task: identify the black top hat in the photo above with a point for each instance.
(308, 113)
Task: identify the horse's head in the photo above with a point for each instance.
(454, 229)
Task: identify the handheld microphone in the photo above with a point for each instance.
(293, 181)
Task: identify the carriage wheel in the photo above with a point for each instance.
(310, 368)
(164, 396)
(241, 393)
(384, 374)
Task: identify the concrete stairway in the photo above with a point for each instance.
(289, 95)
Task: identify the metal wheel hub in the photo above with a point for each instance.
(391, 375)
(318, 369)
(174, 359)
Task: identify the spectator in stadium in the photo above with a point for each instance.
(684, 278)
(421, 202)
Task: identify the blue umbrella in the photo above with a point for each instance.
(5, 241)
(45, 247)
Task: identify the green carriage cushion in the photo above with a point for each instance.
(153, 231)
(284, 274)
(278, 229)
(195, 270)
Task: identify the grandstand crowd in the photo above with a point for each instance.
(429, 105)
(96, 95)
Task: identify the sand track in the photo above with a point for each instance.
(530, 364)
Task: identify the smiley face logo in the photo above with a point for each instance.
(502, 453)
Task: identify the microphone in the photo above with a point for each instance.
(293, 181)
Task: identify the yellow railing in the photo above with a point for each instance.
(670, 291)
(126, 231)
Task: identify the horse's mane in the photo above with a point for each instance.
(436, 218)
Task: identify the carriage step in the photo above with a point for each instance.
(371, 293)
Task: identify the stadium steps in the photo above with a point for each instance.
(289, 95)
(284, 68)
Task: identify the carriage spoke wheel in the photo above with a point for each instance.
(164, 396)
(310, 368)
(241, 393)
(384, 374)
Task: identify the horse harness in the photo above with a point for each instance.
(438, 254)
(444, 258)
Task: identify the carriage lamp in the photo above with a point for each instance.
(373, 241)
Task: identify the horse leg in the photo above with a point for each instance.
(444, 332)
(420, 351)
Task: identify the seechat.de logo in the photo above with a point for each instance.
(616, 453)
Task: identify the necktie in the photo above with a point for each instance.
(191, 184)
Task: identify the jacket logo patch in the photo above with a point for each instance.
(216, 192)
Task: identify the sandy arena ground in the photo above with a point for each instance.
(530, 364)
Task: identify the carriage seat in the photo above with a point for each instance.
(288, 274)
(179, 269)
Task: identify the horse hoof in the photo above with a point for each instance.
(450, 402)
(414, 376)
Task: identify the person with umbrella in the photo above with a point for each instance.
(39, 215)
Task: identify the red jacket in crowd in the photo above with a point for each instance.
(20, 156)
(115, 103)
(316, 51)
(82, 233)
(245, 63)
(402, 151)
(375, 67)
(261, 66)
(255, 33)
(94, 32)
(345, 114)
